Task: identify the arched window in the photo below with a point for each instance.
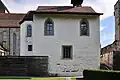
(84, 27)
(14, 43)
(49, 28)
(29, 30)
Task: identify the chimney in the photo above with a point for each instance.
(76, 3)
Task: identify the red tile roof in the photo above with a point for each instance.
(85, 10)
(10, 20)
(52, 8)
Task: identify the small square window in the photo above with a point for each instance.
(67, 52)
(29, 47)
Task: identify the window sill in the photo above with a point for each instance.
(28, 36)
(67, 58)
(48, 35)
(85, 35)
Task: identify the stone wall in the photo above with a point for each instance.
(117, 20)
(24, 66)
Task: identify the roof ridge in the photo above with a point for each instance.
(51, 7)
(63, 6)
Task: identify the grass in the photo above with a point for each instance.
(14, 79)
(35, 79)
(47, 79)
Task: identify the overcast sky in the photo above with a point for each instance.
(104, 6)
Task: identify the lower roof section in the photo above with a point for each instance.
(10, 20)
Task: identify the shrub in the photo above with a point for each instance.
(101, 75)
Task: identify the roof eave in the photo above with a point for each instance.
(9, 26)
(36, 12)
(78, 13)
(24, 18)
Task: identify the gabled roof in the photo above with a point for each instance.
(10, 20)
(85, 10)
(2, 6)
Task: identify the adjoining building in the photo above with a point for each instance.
(110, 52)
(117, 20)
(107, 56)
(69, 36)
(9, 31)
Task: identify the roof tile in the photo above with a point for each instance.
(10, 19)
(85, 9)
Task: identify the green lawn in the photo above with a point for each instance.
(35, 79)
(14, 79)
(47, 79)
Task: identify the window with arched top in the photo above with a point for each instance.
(14, 43)
(29, 30)
(49, 27)
(84, 27)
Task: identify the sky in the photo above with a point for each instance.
(107, 23)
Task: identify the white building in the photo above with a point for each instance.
(69, 36)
